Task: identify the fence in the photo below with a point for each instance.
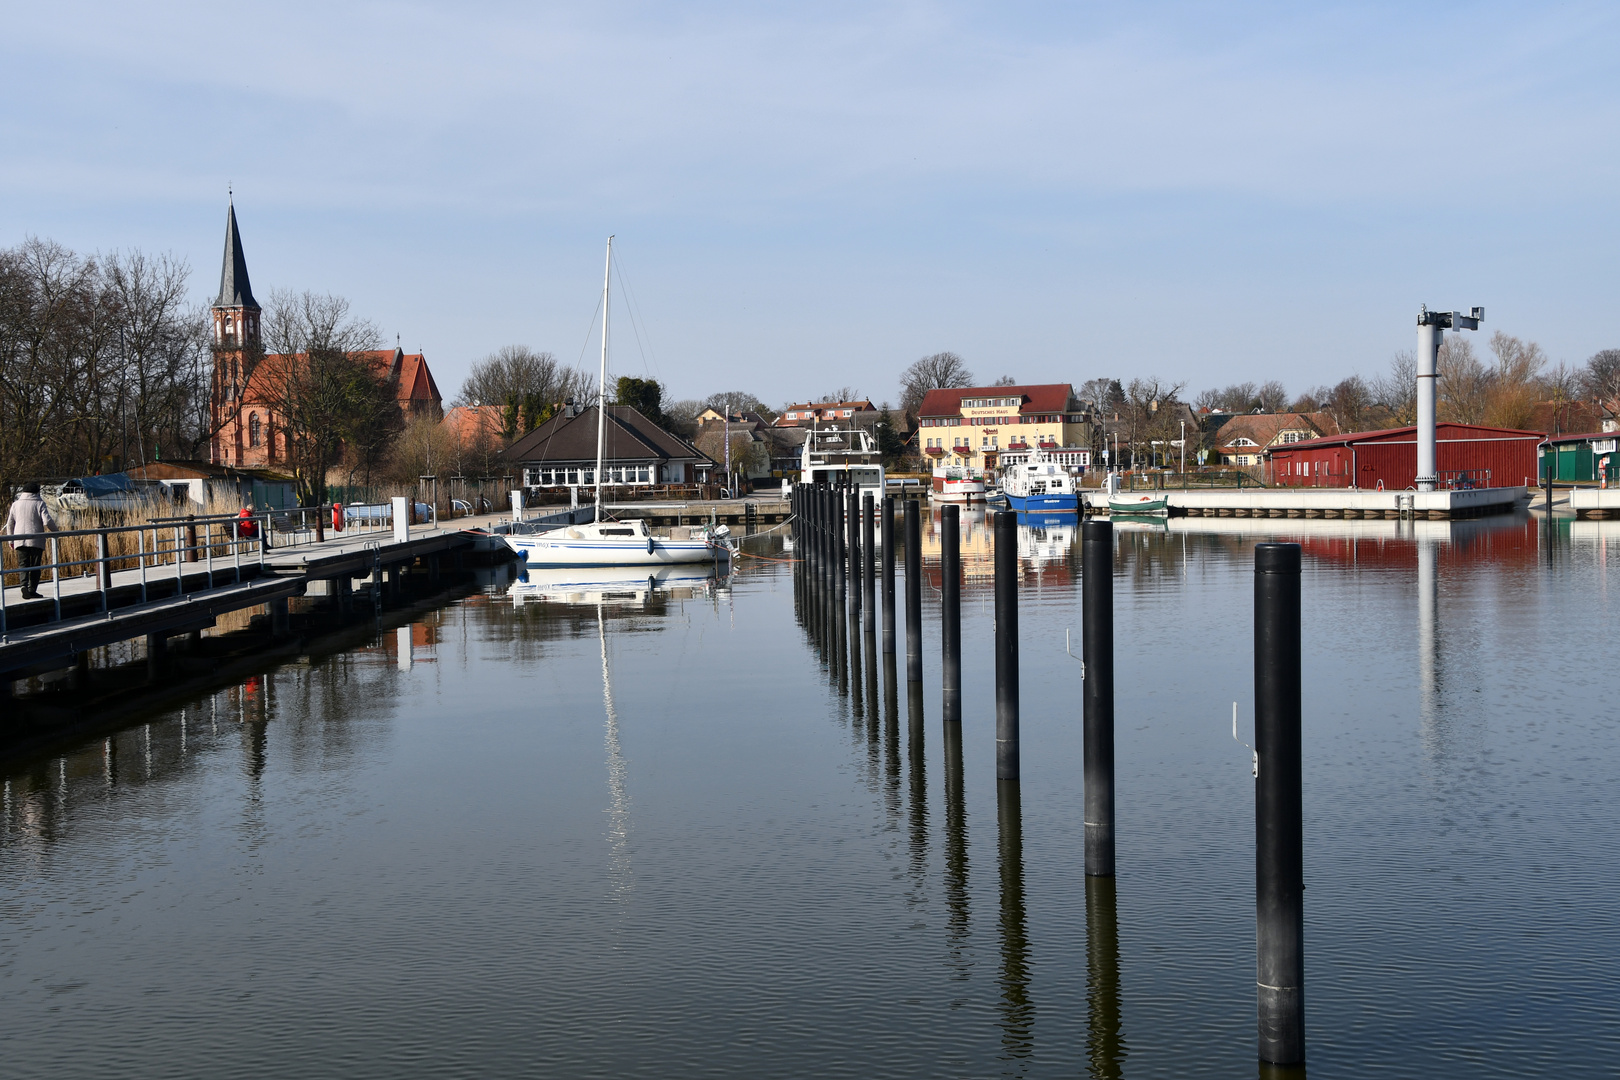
(177, 542)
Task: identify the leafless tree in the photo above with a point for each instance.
(1149, 415)
(1464, 385)
(1348, 403)
(1600, 379)
(1273, 396)
(1005, 380)
(322, 388)
(842, 393)
(937, 371)
(1396, 390)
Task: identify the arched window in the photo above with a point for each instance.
(253, 429)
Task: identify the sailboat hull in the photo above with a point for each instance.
(548, 550)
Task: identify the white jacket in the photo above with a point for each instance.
(29, 515)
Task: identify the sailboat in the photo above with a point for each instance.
(615, 543)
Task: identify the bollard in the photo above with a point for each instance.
(835, 522)
(191, 538)
(950, 611)
(888, 573)
(1006, 543)
(1097, 691)
(868, 568)
(913, 593)
(852, 528)
(1278, 806)
(320, 524)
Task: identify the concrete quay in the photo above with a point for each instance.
(1591, 502)
(1303, 502)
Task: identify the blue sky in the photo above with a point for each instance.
(810, 196)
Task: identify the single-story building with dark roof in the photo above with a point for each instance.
(561, 453)
(1576, 459)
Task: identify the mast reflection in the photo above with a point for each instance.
(619, 869)
(1105, 1041)
(1017, 1011)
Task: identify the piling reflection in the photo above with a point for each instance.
(918, 793)
(1105, 1040)
(1017, 1011)
(957, 914)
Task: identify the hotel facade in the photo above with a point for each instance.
(988, 427)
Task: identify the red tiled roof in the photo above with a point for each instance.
(1043, 398)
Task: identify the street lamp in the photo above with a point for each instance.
(1184, 447)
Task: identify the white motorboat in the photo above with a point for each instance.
(1040, 485)
(953, 483)
(614, 543)
(843, 458)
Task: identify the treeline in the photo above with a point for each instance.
(103, 362)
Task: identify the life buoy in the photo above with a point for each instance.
(1380, 485)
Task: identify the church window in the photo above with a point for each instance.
(253, 429)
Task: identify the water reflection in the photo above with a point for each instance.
(1105, 1041)
(957, 915)
(1017, 1011)
(619, 872)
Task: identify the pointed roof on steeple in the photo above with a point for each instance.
(234, 290)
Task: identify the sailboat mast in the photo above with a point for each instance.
(601, 382)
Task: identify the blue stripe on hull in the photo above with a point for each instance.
(1045, 504)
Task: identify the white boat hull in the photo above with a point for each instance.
(613, 544)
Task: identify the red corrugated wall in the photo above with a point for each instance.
(1509, 457)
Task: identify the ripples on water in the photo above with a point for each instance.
(592, 830)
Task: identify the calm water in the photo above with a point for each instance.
(596, 831)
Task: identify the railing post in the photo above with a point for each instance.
(104, 568)
(320, 524)
(191, 539)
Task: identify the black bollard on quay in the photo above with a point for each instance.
(888, 574)
(950, 611)
(868, 568)
(1006, 541)
(1097, 693)
(913, 593)
(1279, 806)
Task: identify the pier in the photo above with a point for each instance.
(1303, 502)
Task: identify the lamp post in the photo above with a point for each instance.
(1184, 447)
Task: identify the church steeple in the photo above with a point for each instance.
(236, 313)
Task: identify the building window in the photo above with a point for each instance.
(253, 429)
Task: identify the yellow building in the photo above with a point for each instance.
(986, 427)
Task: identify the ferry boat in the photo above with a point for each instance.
(843, 458)
(1040, 485)
(955, 483)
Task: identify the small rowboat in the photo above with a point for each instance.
(1127, 502)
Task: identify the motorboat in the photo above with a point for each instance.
(1138, 502)
(843, 458)
(955, 483)
(1040, 485)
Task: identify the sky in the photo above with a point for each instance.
(812, 196)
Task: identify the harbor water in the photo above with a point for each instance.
(571, 826)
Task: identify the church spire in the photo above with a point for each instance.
(234, 289)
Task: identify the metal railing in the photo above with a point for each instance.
(207, 542)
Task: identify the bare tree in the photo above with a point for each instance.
(1005, 380)
(1464, 385)
(1149, 414)
(1600, 379)
(1095, 391)
(937, 371)
(317, 381)
(1348, 403)
(1273, 396)
(1396, 390)
(842, 393)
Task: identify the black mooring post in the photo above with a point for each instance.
(1097, 690)
(840, 558)
(1006, 541)
(852, 527)
(950, 611)
(868, 568)
(1279, 806)
(888, 574)
(913, 593)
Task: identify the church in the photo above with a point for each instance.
(247, 431)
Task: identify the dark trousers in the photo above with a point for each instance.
(28, 560)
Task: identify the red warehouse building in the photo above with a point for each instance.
(1466, 455)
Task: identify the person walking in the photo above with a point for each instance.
(29, 515)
